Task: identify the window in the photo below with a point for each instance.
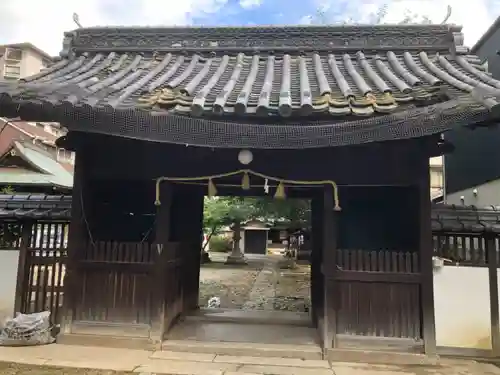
(45, 63)
(12, 71)
(65, 156)
(14, 54)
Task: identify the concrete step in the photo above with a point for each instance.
(285, 318)
(239, 349)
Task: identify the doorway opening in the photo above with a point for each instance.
(255, 276)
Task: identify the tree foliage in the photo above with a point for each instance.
(226, 211)
(9, 232)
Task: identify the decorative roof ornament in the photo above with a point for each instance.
(76, 19)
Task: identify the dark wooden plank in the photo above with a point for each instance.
(23, 267)
(491, 248)
(426, 265)
(114, 267)
(160, 251)
(330, 297)
(382, 277)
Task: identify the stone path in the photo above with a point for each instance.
(177, 363)
(264, 288)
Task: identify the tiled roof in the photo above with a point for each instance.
(463, 219)
(39, 207)
(325, 73)
(49, 171)
(34, 131)
(361, 83)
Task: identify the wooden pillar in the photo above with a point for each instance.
(194, 240)
(22, 287)
(492, 260)
(317, 280)
(77, 240)
(161, 255)
(329, 268)
(187, 228)
(426, 253)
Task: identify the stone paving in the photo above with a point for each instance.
(173, 363)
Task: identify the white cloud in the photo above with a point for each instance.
(249, 4)
(44, 22)
(475, 16)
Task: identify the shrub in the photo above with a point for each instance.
(220, 244)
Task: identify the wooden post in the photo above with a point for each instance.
(426, 253)
(161, 254)
(77, 242)
(329, 267)
(493, 281)
(197, 223)
(23, 291)
(317, 279)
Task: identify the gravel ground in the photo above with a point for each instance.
(7, 368)
(260, 285)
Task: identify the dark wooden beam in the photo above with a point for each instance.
(317, 279)
(389, 162)
(493, 283)
(426, 251)
(329, 265)
(77, 240)
(22, 266)
(161, 256)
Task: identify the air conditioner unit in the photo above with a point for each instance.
(14, 54)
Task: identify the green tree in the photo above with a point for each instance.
(226, 211)
(221, 212)
(7, 190)
(9, 232)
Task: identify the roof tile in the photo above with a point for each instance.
(189, 84)
(258, 84)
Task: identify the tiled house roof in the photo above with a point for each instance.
(35, 206)
(43, 169)
(193, 85)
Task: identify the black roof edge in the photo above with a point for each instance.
(488, 34)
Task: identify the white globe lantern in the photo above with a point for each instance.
(245, 157)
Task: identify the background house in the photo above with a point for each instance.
(21, 60)
(472, 171)
(30, 161)
(28, 168)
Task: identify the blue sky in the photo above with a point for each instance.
(43, 22)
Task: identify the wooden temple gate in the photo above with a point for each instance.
(364, 297)
(378, 293)
(310, 105)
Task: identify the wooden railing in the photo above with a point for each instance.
(41, 277)
(465, 249)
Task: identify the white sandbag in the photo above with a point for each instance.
(27, 330)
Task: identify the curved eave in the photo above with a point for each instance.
(177, 129)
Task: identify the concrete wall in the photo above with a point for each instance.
(487, 194)
(8, 278)
(462, 307)
(487, 51)
(476, 158)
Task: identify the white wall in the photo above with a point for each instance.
(8, 278)
(487, 194)
(462, 307)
